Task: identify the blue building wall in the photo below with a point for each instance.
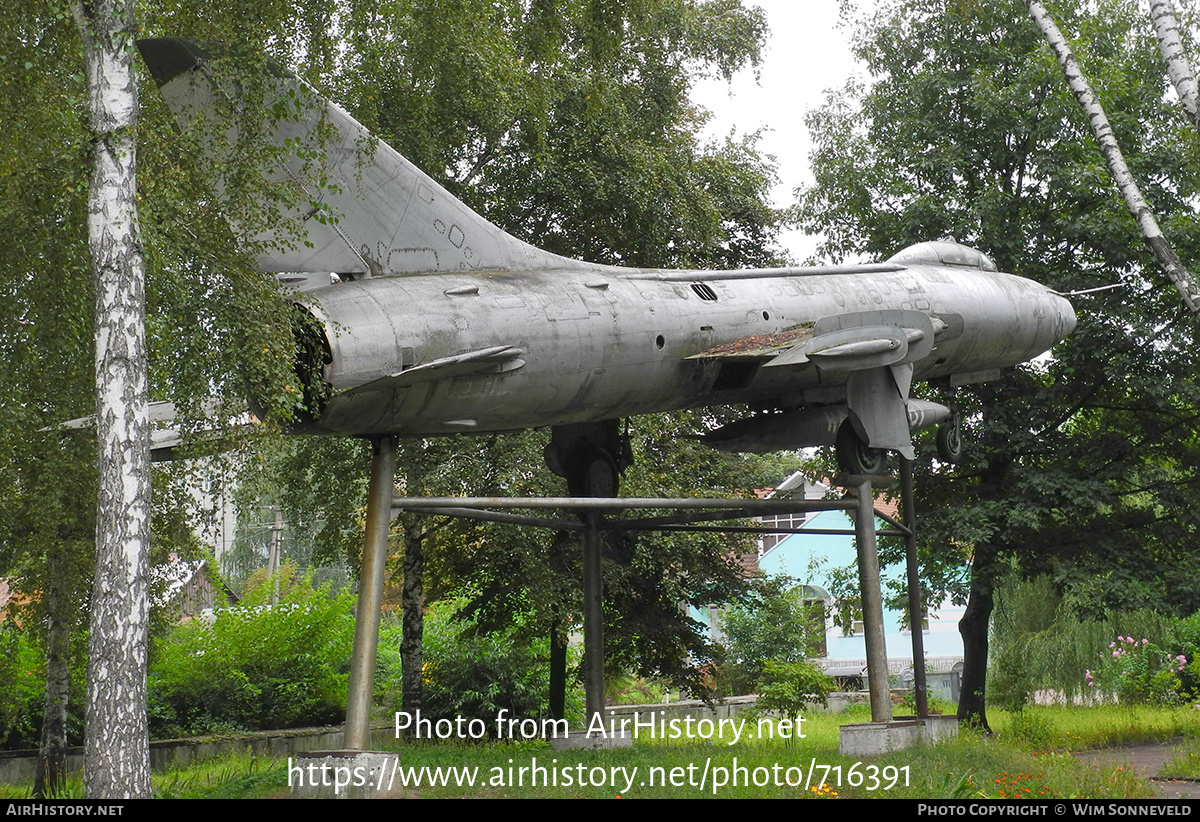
(808, 558)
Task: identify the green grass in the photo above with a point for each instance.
(1186, 764)
(968, 767)
(1069, 728)
(1028, 756)
(227, 777)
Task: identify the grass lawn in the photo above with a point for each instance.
(1029, 756)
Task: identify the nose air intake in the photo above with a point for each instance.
(312, 355)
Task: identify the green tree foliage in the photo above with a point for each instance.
(1081, 466)
(473, 674)
(23, 674)
(773, 622)
(46, 479)
(568, 122)
(1040, 642)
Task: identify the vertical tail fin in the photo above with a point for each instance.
(362, 207)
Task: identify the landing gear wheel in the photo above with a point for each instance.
(949, 442)
(856, 457)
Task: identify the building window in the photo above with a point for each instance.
(769, 541)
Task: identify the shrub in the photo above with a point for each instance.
(256, 665)
(787, 688)
(631, 689)
(773, 622)
(22, 687)
(1039, 642)
(1138, 672)
(1032, 728)
(475, 675)
(1184, 640)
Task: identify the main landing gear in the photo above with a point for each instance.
(854, 456)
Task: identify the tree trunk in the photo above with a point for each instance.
(558, 672)
(413, 608)
(52, 751)
(117, 754)
(1179, 68)
(1179, 276)
(972, 704)
(412, 603)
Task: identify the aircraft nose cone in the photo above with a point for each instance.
(1065, 314)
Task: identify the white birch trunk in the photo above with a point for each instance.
(1179, 68)
(117, 763)
(1179, 276)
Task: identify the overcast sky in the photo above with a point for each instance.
(807, 53)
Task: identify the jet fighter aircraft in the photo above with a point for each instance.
(442, 323)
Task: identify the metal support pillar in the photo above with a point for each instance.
(590, 456)
(593, 620)
(872, 603)
(370, 594)
(916, 613)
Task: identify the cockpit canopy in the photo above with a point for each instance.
(943, 252)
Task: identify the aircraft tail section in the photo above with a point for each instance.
(354, 204)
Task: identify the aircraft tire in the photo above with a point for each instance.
(949, 442)
(856, 457)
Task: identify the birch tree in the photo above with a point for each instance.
(1179, 68)
(1179, 276)
(117, 763)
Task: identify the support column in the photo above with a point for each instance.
(590, 456)
(370, 594)
(916, 613)
(872, 603)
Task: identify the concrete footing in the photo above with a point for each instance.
(870, 738)
(343, 775)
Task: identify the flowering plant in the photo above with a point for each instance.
(1138, 672)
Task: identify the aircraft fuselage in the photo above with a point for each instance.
(605, 343)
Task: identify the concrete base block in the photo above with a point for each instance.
(939, 728)
(870, 738)
(580, 740)
(343, 775)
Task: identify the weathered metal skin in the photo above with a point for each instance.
(597, 344)
(452, 325)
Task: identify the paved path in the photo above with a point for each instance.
(1147, 759)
